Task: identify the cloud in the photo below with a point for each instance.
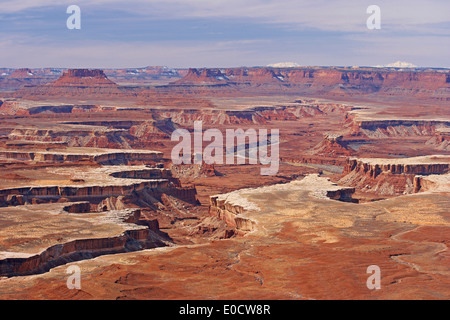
(223, 32)
(334, 15)
(116, 54)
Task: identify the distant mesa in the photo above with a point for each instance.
(202, 76)
(74, 83)
(84, 77)
(342, 82)
(22, 73)
(20, 78)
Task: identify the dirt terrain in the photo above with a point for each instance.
(87, 179)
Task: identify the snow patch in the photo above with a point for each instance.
(284, 65)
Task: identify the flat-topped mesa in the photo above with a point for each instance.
(84, 77)
(397, 127)
(121, 233)
(389, 177)
(101, 156)
(419, 165)
(21, 74)
(137, 183)
(75, 83)
(97, 193)
(236, 208)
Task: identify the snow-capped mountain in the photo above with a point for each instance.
(398, 64)
(284, 65)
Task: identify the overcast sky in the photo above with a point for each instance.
(222, 33)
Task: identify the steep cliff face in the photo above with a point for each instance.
(153, 188)
(107, 157)
(419, 165)
(391, 176)
(376, 129)
(136, 238)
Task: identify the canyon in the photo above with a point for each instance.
(87, 179)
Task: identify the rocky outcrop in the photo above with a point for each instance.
(231, 214)
(332, 146)
(111, 203)
(79, 207)
(317, 159)
(150, 130)
(440, 140)
(194, 171)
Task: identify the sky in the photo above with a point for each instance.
(223, 33)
